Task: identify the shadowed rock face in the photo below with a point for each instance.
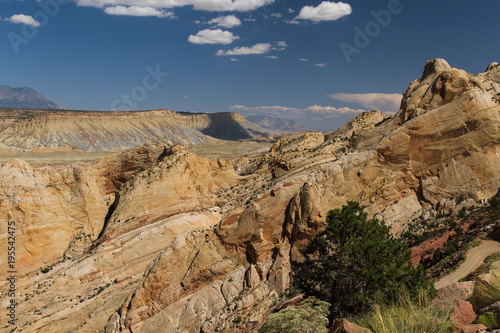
(116, 131)
(185, 244)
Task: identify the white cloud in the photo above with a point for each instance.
(233, 59)
(228, 21)
(209, 5)
(272, 57)
(277, 15)
(320, 65)
(303, 59)
(325, 11)
(23, 19)
(137, 11)
(280, 46)
(209, 36)
(290, 11)
(283, 111)
(324, 118)
(374, 101)
(249, 19)
(260, 48)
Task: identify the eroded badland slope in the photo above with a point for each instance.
(156, 240)
(116, 131)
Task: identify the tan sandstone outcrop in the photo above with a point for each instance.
(191, 246)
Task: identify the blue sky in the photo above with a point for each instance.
(317, 62)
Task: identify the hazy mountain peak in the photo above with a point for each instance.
(24, 98)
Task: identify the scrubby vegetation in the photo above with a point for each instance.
(489, 319)
(355, 263)
(311, 316)
(409, 315)
(365, 273)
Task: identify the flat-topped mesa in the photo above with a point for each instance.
(118, 130)
(441, 84)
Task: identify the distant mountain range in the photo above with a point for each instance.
(276, 123)
(24, 98)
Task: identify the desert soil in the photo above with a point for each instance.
(475, 258)
(215, 149)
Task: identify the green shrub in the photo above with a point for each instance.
(489, 320)
(495, 204)
(311, 316)
(357, 262)
(474, 243)
(409, 316)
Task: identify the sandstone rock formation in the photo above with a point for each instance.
(344, 326)
(189, 245)
(116, 131)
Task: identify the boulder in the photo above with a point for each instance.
(344, 326)
(474, 328)
(449, 297)
(463, 315)
(495, 308)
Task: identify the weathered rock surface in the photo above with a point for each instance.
(57, 211)
(116, 131)
(344, 326)
(462, 315)
(191, 246)
(474, 328)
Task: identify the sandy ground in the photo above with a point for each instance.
(53, 156)
(474, 259)
(232, 149)
(215, 149)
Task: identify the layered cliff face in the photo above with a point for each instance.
(116, 131)
(182, 243)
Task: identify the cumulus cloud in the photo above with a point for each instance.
(208, 5)
(208, 36)
(375, 101)
(320, 65)
(324, 118)
(260, 48)
(23, 19)
(137, 11)
(280, 46)
(303, 59)
(325, 11)
(228, 21)
(272, 57)
(283, 111)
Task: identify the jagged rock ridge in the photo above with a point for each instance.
(186, 244)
